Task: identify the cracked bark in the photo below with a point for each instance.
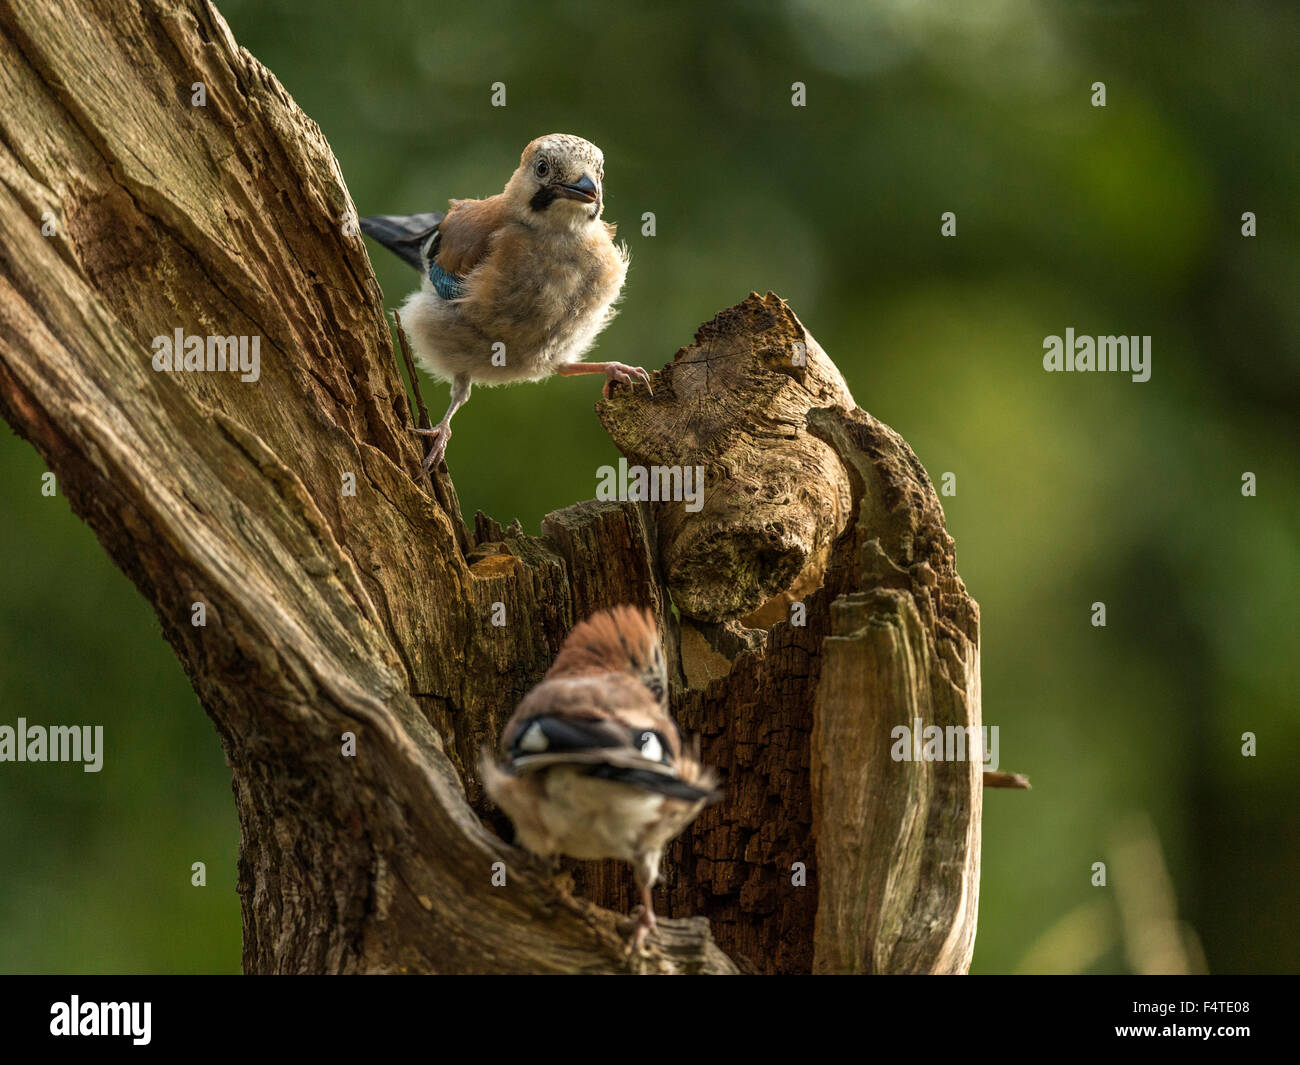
(331, 613)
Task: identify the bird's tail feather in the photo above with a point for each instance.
(406, 235)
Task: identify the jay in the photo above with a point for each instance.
(592, 764)
(516, 287)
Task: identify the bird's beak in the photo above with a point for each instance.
(583, 190)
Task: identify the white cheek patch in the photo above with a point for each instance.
(651, 749)
(534, 739)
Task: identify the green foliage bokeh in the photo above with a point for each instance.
(1071, 489)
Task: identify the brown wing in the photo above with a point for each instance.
(465, 235)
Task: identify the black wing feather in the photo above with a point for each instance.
(568, 734)
(406, 235)
(648, 780)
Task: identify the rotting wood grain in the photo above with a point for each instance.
(327, 612)
(370, 613)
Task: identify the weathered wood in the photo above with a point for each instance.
(734, 403)
(898, 842)
(370, 613)
(327, 613)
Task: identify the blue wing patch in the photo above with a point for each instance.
(448, 286)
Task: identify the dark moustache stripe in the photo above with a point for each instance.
(543, 198)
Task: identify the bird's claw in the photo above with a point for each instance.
(624, 375)
(645, 923)
(441, 433)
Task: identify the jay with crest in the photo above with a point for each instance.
(592, 764)
(517, 286)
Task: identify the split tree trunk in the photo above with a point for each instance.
(817, 604)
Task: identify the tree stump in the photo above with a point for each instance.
(368, 614)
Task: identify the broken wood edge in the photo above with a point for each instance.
(898, 841)
(1016, 781)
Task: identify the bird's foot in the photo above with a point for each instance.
(440, 433)
(624, 375)
(645, 923)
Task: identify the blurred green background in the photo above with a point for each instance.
(1071, 489)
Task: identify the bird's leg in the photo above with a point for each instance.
(441, 432)
(646, 871)
(613, 371)
(645, 922)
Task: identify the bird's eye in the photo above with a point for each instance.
(542, 169)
